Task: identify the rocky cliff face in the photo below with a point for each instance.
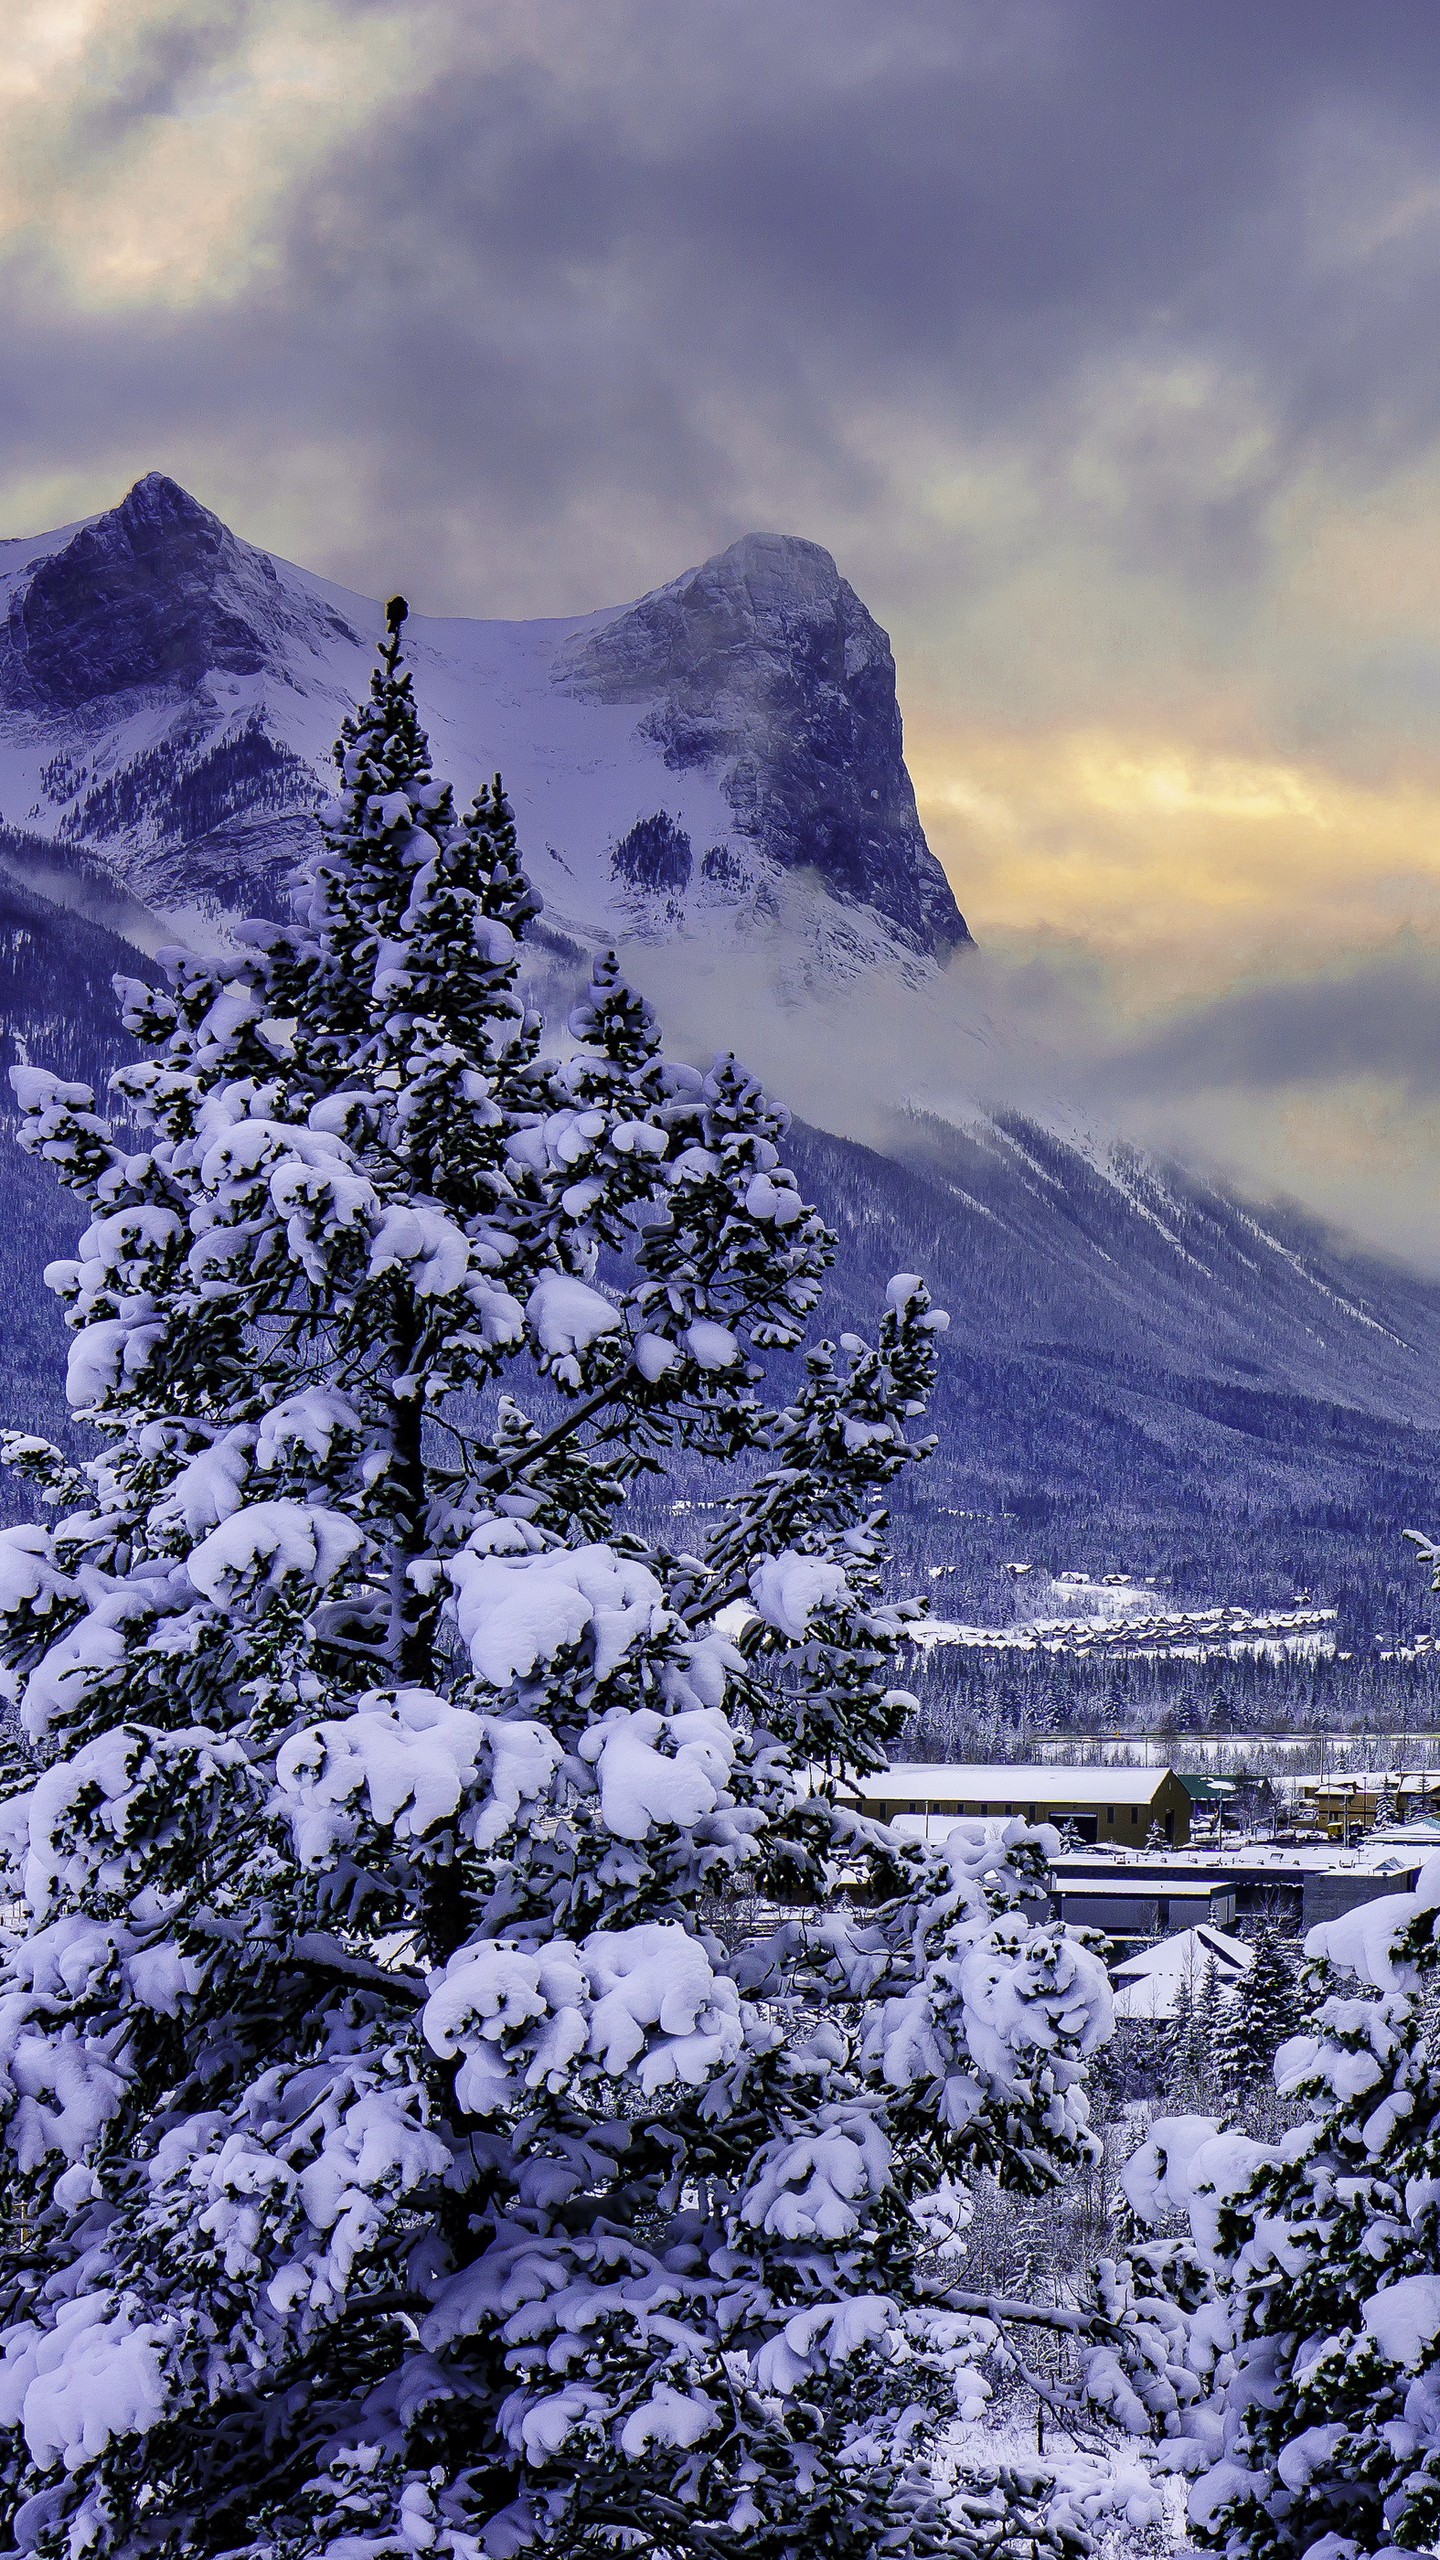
(156, 595)
(764, 668)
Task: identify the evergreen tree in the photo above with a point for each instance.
(1263, 2010)
(1306, 2303)
(1385, 1810)
(402, 2157)
(1223, 1718)
(1190, 2046)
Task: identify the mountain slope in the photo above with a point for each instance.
(56, 1009)
(169, 695)
(1142, 1374)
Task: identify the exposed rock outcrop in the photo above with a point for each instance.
(765, 666)
(157, 594)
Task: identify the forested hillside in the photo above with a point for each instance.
(1146, 1378)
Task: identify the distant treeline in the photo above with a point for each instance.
(977, 1703)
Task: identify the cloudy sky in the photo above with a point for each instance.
(1099, 339)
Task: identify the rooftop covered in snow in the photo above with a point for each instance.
(1104, 1803)
(1149, 1985)
(1024, 1782)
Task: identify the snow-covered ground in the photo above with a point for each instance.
(1109, 2492)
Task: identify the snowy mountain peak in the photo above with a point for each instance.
(765, 579)
(155, 594)
(722, 760)
(764, 668)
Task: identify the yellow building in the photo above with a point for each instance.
(1340, 1806)
(1099, 1802)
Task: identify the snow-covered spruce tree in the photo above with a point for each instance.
(1306, 2301)
(1190, 2043)
(1262, 2012)
(1385, 1810)
(401, 2160)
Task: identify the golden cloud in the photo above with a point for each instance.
(1184, 868)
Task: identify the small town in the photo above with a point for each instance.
(1144, 1855)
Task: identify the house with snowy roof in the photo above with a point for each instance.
(1345, 1803)
(1106, 1802)
(1293, 1885)
(1130, 1902)
(1149, 1986)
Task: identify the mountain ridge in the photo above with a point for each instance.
(152, 594)
(151, 641)
(1137, 1360)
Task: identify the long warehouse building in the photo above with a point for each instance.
(1099, 1803)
